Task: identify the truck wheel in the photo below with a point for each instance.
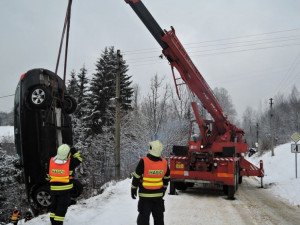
(240, 179)
(190, 184)
(42, 196)
(231, 192)
(236, 180)
(172, 188)
(225, 189)
(180, 186)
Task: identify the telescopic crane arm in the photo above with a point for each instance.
(178, 58)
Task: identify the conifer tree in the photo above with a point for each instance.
(82, 91)
(72, 85)
(103, 90)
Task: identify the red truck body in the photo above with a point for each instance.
(215, 151)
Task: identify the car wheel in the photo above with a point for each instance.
(42, 196)
(77, 189)
(39, 97)
(70, 104)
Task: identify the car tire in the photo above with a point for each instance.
(39, 97)
(70, 104)
(77, 189)
(42, 196)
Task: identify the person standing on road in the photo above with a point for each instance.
(151, 177)
(60, 171)
(15, 216)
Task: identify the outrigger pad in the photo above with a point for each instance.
(229, 151)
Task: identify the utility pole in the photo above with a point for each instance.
(256, 132)
(250, 136)
(272, 125)
(257, 146)
(117, 134)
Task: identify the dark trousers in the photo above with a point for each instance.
(59, 206)
(147, 206)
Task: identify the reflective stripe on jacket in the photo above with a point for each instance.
(59, 172)
(154, 171)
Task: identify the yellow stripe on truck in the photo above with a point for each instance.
(230, 175)
(177, 172)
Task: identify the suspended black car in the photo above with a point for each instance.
(41, 122)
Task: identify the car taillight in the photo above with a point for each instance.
(223, 164)
(22, 76)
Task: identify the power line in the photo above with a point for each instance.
(251, 35)
(238, 44)
(214, 53)
(283, 84)
(6, 96)
(128, 52)
(256, 42)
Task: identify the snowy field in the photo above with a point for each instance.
(115, 206)
(280, 173)
(6, 131)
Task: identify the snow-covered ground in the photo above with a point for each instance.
(280, 173)
(6, 131)
(115, 206)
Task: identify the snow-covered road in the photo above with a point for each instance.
(195, 206)
(252, 205)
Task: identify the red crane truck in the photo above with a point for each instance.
(215, 150)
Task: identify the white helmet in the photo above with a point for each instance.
(156, 148)
(63, 152)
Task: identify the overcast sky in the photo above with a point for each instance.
(249, 47)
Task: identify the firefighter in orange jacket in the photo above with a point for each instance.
(151, 177)
(15, 216)
(60, 171)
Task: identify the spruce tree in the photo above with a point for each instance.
(82, 89)
(103, 90)
(72, 85)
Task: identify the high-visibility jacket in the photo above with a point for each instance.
(15, 215)
(60, 173)
(154, 171)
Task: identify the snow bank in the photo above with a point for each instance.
(280, 177)
(113, 207)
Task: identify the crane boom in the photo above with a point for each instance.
(179, 58)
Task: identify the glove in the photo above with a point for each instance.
(73, 150)
(133, 193)
(48, 177)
